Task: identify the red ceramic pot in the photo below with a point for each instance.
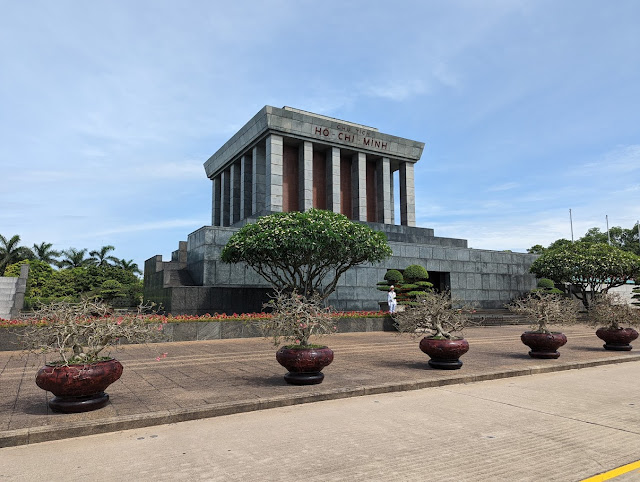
(79, 388)
(304, 364)
(617, 339)
(543, 345)
(444, 353)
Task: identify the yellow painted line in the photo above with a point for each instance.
(614, 473)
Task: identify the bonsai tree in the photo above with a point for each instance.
(433, 315)
(590, 268)
(296, 319)
(80, 332)
(547, 286)
(416, 284)
(545, 309)
(306, 252)
(408, 284)
(610, 311)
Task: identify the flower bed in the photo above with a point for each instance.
(208, 318)
(215, 327)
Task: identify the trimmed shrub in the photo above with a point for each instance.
(415, 272)
(393, 276)
(546, 283)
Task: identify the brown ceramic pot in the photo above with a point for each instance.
(304, 364)
(444, 353)
(617, 339)
(543, 345)
(79, 388)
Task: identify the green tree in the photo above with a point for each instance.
(625, 239)
(128, 265)
(111, 289)
(44, 253)
(75, 258)
(11, 252)
(101, 257)
(590, 268)
(40, 273)
(305, 251)
(536, 249)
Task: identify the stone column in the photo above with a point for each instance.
(273, 173)
(246, 179)
(305, 176)
(258, 185)
(225, 197)
(385, 189)
(234, 192)
(407, 195)
(215, 201)
(393, 200)
(359, 186)
(333, 179)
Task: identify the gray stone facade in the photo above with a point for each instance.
(288, 160)
(12, 291)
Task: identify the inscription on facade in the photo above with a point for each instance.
(351, 134)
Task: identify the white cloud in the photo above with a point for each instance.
(150, 226)
(623, 159)
(503, 187)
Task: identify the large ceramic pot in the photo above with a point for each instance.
(78, 388)
(543, 345)
(617, 338)
(304, 364)
(444, 353)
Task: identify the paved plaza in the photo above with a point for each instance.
(202, 379)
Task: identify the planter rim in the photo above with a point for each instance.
(533, 332)
(57, 365)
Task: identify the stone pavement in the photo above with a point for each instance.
(201, 379)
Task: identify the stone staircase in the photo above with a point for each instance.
(12, 292)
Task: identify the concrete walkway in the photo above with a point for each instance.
(566, 426)
(212, 378)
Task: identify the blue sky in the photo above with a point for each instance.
(109, 109)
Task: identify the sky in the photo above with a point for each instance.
(108, 109)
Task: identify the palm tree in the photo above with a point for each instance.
(45, 254)
(101, 259)
(128, 266)
(11, 253)
(75, 258)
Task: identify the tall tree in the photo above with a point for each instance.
(44, 253)
(101, 257)
(11, 251)
(128, 265)
(306, 252)
(75, 258)
(590, 267)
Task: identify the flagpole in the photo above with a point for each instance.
(571, 221)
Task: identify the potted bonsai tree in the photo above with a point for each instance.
(607, 312)
(81, 334)
(545, 309)
(434, 315)
(296, 319)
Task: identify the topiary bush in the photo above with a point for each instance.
(393, 276)
(415, 272)
(545, 283)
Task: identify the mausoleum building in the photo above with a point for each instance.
(291, 160)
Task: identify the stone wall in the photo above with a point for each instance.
(12, 291)
(489, 279)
